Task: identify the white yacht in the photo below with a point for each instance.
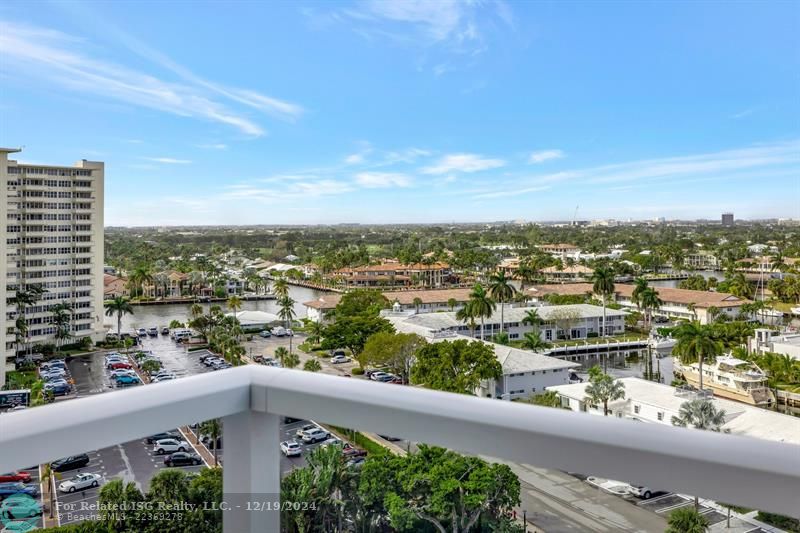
(730, 378)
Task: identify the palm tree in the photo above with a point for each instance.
(213, 429)
(452, 303)
(603, 284)
(603, 388)
(312, 365)
(700, 414)
(650, 302)
(119, 306)
(20, 332)
(713, 313)
(315, 330)
(481, 305)
(48, 479)
(686, 520)
(61, 318)
(195, 310)
(286, 312)
(281, 353)
(234, 304)
(417, 303)
(24, 298)
(532, 340)
(281, 288)
(640, 285)
(532, 318)
(140, 276)
(291, 360)
(501, 290)
(696, 343)
(466, 315)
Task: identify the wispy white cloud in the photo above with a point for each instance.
(354, 159)
(510, 192)
(545, 155)
(463, 163)
(744, 113)
(58, 58)
(134, 141)
(295, 190)
(169, 160)
(213, 146)
(374, 180)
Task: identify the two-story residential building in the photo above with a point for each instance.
(114, 286)
(390, 274)
(702, 260)
(560, 250)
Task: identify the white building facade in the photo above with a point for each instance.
(52, 234)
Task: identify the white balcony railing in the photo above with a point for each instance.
(758, 474)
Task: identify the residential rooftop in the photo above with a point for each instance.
(742, 419)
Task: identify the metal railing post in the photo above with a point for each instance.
(251, 477)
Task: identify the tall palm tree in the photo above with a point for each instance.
(119, 306)
(696, 343)
(281, 353)
(140, 277)
(213, 429)
(48, 479)
(417, 302)
(61, 318)
(603, 388)
(700, 414)
(640, 285)
(650, 301)
(24, 298)
(291, 360)
(314, 330)
(603, 284)
(532, 318)
(452, 303)
(466, 315)
(196, 310)
(234, 304)
(481, 305)
(281, 288)
(501, 290)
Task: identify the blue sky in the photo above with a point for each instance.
(256, 112)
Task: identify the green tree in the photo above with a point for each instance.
(532, 340)
(361, 302)
(291, 360)
(61, 319)
(234, 304)
(213, 429)
(395, 351)
(501, 290)
(700, 414)
(640, 285)
(141, 276)
(455, 366)
(119, 306)
(352, 332)
(480, 305)
(417, 304)
(312, 365)
(314, 330)
(649, 302)
(686, 520)
(602, 389)
(452, 303)
(281, 353)
(603, 285)
(48, 479)
(195, 310)
(696, 343)
(151, 366)
(117, 494)
(548, 399)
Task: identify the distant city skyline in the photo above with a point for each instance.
(411, 112)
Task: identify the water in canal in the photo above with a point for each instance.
(146, 316)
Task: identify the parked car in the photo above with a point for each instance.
(351, 451)
(52, 373)
(19, 507)
(291, 448)
(165, 330)
(380, 376)
(289, 332)
(355, 462)
(55, 363)
(80, 482)
(208, 361)
(660, 319)
(58, 388)
(114, 374)
(9, 489)
(308, 427)
(182, 459)
(70, 463)
(119, 364)
(15, 477)
(315, 435)
(339, 359)
(264, 334)
(141, 332)
(18, 526)
(644, 492)
(127, 380)
(338, 351)
(279, 331)
(161, 379)
(152, 439)
(169, 446)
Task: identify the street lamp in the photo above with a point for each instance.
(525, 520)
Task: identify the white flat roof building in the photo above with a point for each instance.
(654, 402)
(52, 235)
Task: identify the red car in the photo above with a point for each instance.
(23, 477)
(119, 364)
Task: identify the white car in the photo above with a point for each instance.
(291, 448)
(302, 431)
(379, 376)
(169, 445)
(315, 435)
(114, 374)
(80, 482)
(338, 359)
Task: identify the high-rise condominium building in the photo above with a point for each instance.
(727, 219)
(51, 232)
